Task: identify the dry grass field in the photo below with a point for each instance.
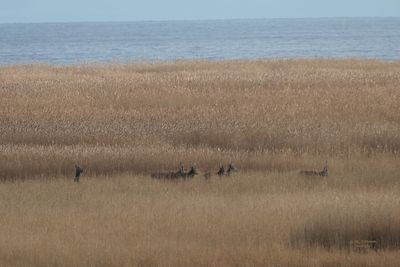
(271, 118)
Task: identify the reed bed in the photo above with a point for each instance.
(271, 118)
(140, 117)
(252, 219)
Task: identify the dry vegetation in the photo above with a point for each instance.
(272, 118)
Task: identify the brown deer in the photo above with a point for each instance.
(324, 172)
(78, 172)
(191, 173)
(231, 169)
(181, 173)
(221, 171)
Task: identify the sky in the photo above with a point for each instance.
(134, 10)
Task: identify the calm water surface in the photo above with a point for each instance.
(71, 43)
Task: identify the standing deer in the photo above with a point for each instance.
(181, 170)
(78, 172)
(221, 171)
(192, 172)
(324, 171)
(231, 168)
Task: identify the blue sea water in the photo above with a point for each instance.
(98, 42)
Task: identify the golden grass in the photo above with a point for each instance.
(253, 219)
(272, 118)
(142, 117)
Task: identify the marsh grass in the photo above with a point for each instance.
(350, 218)
(249, 219)
(271, 118)
(142, 117)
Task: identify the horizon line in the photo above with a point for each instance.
(205, 19)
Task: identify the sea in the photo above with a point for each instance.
(126, 42)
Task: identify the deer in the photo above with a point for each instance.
(323, 173)
(221, 171)
(181, 173)
(191, 173)
(78, 172)
(231, 168)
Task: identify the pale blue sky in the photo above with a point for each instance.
(132, 10)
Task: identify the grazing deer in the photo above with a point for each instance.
(174, 175)
(169, 175)
(78, 172)
(324, 172)
(231, 168)
(192, 172)
(181, 169)
(221, 171)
